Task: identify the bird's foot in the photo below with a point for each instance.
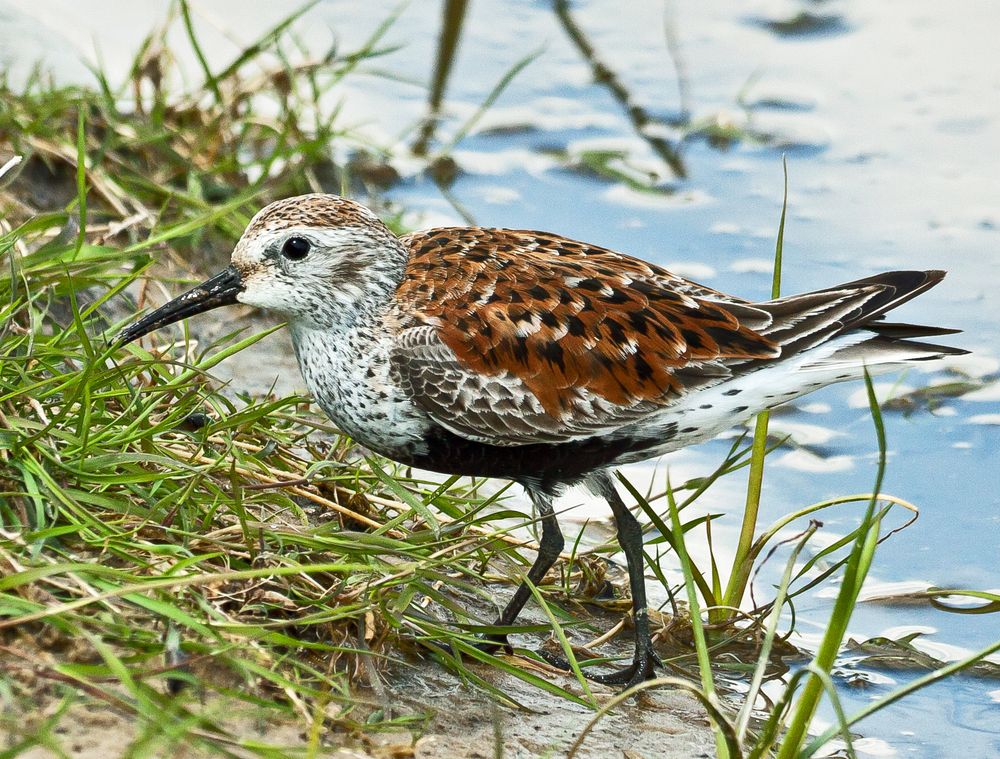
(639, 670)
(643, 667)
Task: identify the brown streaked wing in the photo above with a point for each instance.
(498, 409)
(571, 324)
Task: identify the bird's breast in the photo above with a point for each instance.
(348, 373)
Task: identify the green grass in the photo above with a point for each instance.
(158, 155)
(183, 555)
(142, 506)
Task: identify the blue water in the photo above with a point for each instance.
(889, 116)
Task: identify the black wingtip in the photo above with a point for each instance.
(898, 287)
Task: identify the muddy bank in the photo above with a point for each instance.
(446, 718)
(466, 724)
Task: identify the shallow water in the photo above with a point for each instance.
(889, 115)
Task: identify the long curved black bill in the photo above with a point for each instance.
(220, 290)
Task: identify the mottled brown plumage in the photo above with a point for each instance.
(567, 318)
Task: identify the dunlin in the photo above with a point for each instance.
(533, 357)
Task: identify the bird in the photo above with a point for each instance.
(532, 357)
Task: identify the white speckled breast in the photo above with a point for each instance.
(347, 371)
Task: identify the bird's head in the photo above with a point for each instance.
(311, 258)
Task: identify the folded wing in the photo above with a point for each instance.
(513, 337)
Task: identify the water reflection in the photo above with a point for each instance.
(642, 122)
(453, 16)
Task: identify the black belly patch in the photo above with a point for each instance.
(554, 463)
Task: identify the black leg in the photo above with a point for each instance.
(549, 548)
(630, 539)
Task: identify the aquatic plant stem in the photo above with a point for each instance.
(771, 631)
(855, 572)
(743, 560)
(720, 728)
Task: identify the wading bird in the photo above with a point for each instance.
(533, 357)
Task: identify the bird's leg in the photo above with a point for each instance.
(630, 539)
(549, 548)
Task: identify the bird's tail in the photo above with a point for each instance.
(844, 324)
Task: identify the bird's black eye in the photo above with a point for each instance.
(295, 248)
